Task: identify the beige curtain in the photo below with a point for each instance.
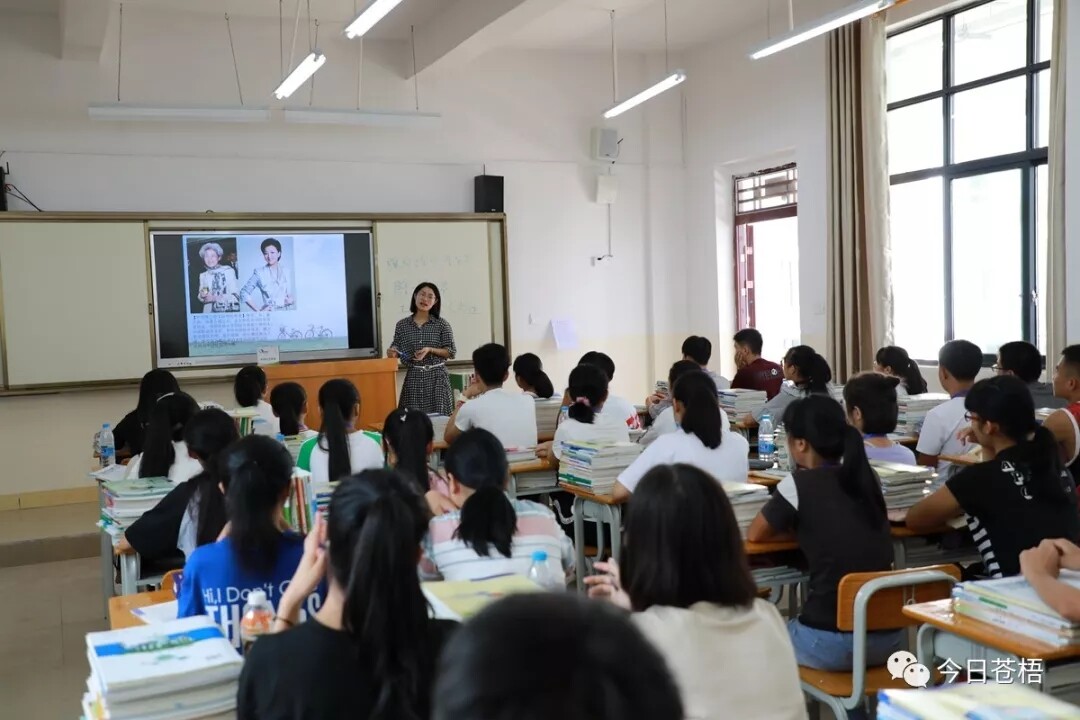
(860, 294)
(1053, 295)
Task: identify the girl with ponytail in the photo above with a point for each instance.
(832, 504)
(249, 387)
(1020, 495)
(289, 403)
(531, 378)
(586, 394)
(370, 652)
(340, 449)
(806, 373)
(491, 534)
(895, 362)
(207, 436)
(256, 554)
(164, 452)
(408, 439)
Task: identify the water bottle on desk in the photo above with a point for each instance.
(106, 447)
(766, 443)
(541, 574)
(257, 619)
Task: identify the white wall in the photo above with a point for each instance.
(525, 115)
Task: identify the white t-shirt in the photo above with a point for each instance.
(665, 424)
(621, 409)
(938, 434)
(603, 429)
(727, 463)
(273, 423)
(184, 467)
(511, 417)
(364, 454)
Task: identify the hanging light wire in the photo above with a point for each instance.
(667, 60)
(120, 53)
(416, 80)
(311, 97)
(614, 63)
(236, 66)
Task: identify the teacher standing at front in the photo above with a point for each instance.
(424, 342)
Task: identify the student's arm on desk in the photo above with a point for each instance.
(619, 493)
(1040, 566)
(933, 512)
(761, 531)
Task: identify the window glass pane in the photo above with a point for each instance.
(1046, 29)
(989, 39)
(1042, 240)
(918, 266)
(915, 137)
(990, 120)
(1042, 93)
(986, 258)
(776, 284)
(913, 62)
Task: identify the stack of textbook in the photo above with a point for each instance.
(1012, 603)
(913, 409)
(125, 501)
(746, 500)
(902, 485)
(307, 499)
(963, 701)
(595, 467)
(547, 416)
(178, 670)
(739, 403)
(245, 418)
(517, 456)
(438, 425)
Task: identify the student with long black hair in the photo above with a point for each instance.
(207, 436)
(806, 373)
(686, 577)
(895, 362)
(408, 439)
(256, 553)
(339, 449)
(491, 534)
(530, 377)
(664, 421)
(288, 401)
(1020, 495)
(371, 650)
(130, 432)
(249, 388)
(705, 440)
(164, 452)
(586, 422)
(871, 404)
(832, 504)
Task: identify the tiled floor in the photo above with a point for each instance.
(45, 612)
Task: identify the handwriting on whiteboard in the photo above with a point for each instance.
(394, 262)
(402, 289)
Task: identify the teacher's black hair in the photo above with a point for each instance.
(436, 309)
(268, 242)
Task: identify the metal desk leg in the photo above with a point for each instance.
(512, 488)
(924, 645)
(615, 517)
(899, 555)
(129, 574)
(108, 589)
(579, 541)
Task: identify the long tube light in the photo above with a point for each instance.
(667, 83)
(370, 17)
(833, 20)
(373, 118)
(300, 74)
(173, 113)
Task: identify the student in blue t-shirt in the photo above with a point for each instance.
(256, 554)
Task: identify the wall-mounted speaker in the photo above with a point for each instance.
(488, 194)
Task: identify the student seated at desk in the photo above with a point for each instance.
(1041, 566)
(664, 421)
(697, 350)
(339, 449)
(586, 421)
(289, 403)
(491, 534)
(1020, 495)
(511, 417)
(129, 434)
(1065, 423)
(166, 532)
(408, 440)
(895, 362)
(834, 507)
(806, 372)
(207, 436)
(249, 388)
(1023, 360)
(164, 452)
(754, 371)
(616, 407)
(256, 553)
(541, 656)
(959, 362)
(371, 650)
(686, 577)
(704, 441)
(530, 377)
(870, 401)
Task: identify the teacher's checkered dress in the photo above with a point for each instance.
(427, 384)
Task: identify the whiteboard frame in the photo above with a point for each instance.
(194, 221)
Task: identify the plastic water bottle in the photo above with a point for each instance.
(106, 446)
(257, 619)
(541, 574)
(766, 444)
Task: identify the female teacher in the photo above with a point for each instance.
(424, 342)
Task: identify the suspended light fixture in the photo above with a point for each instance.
(832, 21)
(675, 78)
(371, 16)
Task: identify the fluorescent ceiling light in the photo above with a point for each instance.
(300, 74)
(371, 118)
(370, 17)
(839, 18)
(666, 84)
(120, 111)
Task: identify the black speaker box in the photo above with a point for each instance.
(489, 194)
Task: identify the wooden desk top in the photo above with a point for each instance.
(759, 478)
(120, 607)
(939, 613)
(763, 548)
(586, 495)
(537, 465)
(899, 532)
(966, 459)
(909, 440)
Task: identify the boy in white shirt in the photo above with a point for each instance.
(959, 362)
(509, 416)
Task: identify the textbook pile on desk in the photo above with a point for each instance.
(179, 670)
(960, 701)
(913, 409)
(547, 416)
(306, 499)
(1011, 603)
(746, 500)
(245, 420)
(738, 403)
(596, 467)
(125, 501)
(902, 485)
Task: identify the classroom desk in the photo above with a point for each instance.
(120, 607)
(1062, 664)
(962, 460)
(608, 513)
(908, 440)
(759, 478)
(542, 467)
(772, 546)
